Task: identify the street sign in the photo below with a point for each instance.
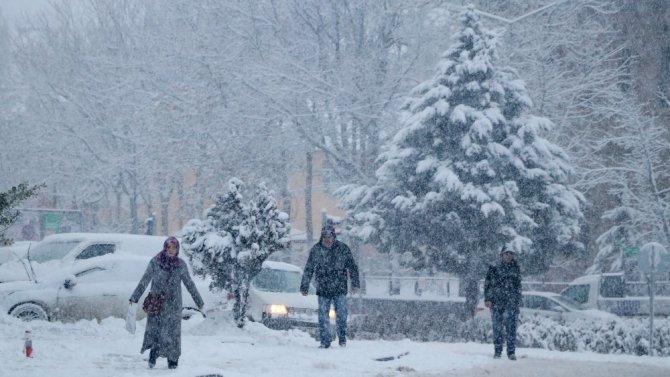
(631, 251)
(653, 257)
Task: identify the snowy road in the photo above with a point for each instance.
(215, 345)
(554, 368)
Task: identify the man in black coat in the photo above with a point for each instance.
(502, 294)
(331, 262)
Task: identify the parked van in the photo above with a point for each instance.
(610, 292)
(69, 248)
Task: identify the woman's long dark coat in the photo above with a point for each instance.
(164, 329)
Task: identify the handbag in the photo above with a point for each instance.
(153, 303)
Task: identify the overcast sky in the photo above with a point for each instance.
(14, 9)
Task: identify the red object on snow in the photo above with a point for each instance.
(28, 343)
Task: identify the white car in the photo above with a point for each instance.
(550, 305)
(94, 289)
(275, 299)
(58, 250)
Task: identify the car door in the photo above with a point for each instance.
(91, 294)
(540, 306)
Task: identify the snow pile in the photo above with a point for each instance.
(216, 346)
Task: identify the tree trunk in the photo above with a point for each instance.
(134, 226)
(471, 285)
(241, 300)
(180, 197)
(471, 295)
(165, 208)
(309, 226)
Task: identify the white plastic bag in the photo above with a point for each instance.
(130, 318)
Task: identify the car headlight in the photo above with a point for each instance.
(276, 310)
(331, 313)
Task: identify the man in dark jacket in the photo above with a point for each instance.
(502, 294)
(331, 262)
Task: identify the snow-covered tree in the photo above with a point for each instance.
(637, 180)
(575, 65)
(234, 240)
(469, 171)
(8, 201)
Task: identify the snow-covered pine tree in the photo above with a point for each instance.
(263, 231)
(210, 243)
(468, 172)
(274, 225)
(8, 201)
(232, 243)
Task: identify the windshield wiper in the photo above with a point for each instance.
(23, 264)
(30, 263)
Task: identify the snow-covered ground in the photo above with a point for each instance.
(215, 346)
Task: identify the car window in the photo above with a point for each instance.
(272, 280)
(96, 250)
(577, 293)
(612, 286)
(53, 250)
(533, 302)
(567, 302)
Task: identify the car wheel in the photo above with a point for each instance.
(29, 312)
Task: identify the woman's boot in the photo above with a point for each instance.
(153, 355)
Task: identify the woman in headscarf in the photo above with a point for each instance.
(166, 272)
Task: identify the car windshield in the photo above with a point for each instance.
(54, 250)
(271, 280)
(567, 302)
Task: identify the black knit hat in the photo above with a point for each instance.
(506, 249)
(328, 229)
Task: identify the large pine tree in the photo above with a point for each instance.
(468, 172)
(234, 240)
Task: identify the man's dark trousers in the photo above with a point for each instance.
(504, 316)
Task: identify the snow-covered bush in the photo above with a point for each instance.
(542, 332)
(231, 244)
(623, 336)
